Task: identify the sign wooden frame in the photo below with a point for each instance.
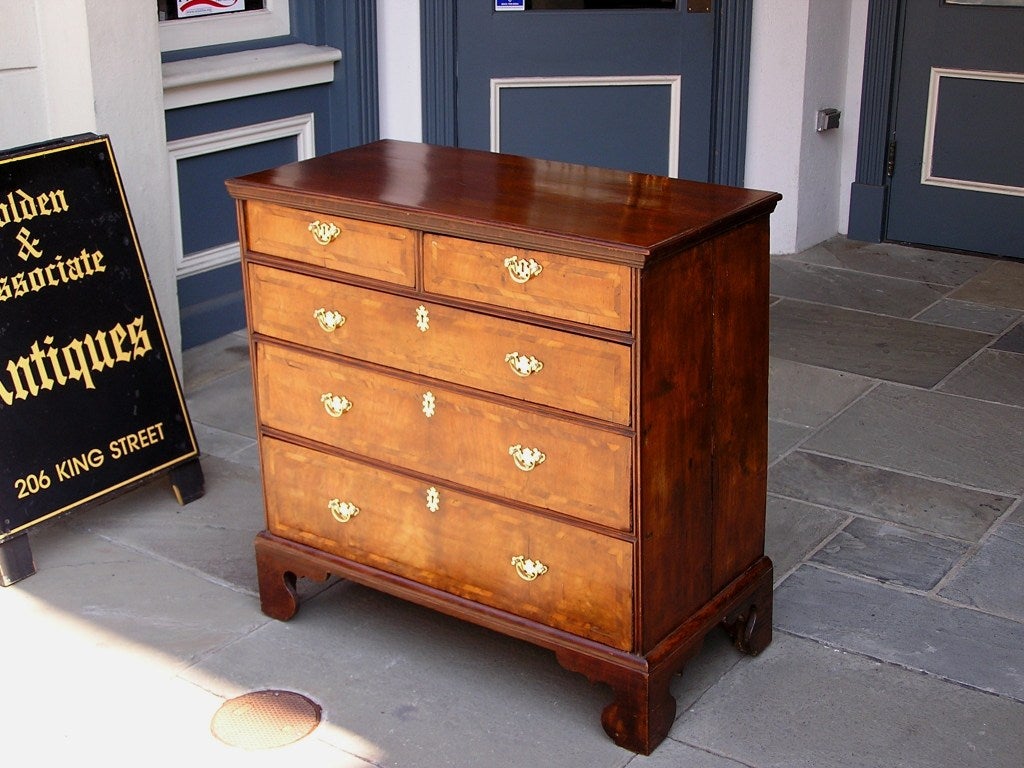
(90, 402)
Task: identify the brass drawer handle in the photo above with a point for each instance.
(334, 405)
(528, 570)
(523, 365)
(328, 319)
(342, 511)
(522, 270)
(526, 458)
(324, 232)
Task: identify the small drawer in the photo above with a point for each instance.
(572, 579)
(362, 248)
(566, 287)
(552, 463)
(568, 371)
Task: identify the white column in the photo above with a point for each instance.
(128, 93)
(398, 69)
(93, 66)
(806, 55)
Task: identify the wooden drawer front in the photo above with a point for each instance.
(585, 472)
(465, 546)
(578, 373)
(569, 288)
(363, 248)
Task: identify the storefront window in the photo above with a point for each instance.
(188, 24)
(169, 10)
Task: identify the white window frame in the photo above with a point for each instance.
(216, 29)
(298, 127)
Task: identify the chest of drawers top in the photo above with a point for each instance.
(609, 215)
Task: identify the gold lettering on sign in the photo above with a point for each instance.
(18, 206)
(59, 271)
(45, 366)
(136, 441)
(76, 465)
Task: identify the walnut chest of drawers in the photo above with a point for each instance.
(528, 394)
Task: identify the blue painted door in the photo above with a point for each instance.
(958, 161)
(627, 88)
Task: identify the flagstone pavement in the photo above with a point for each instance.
(895, 522)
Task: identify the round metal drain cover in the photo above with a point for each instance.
(265, 719)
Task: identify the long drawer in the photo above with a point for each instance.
(541, 365)
(544, 461)
(550, 284)
(378, 251)
(573, 579)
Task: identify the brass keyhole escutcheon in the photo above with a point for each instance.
(422, 318)
(433, 499)
(429, 404)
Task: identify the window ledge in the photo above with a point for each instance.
(234, 75)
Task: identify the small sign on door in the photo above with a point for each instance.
(510, 5)
(188, 8)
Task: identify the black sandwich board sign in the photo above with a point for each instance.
(90, 403)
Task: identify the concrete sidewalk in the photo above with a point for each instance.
(896, 525)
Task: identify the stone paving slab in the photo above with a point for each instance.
(1012, 340)
(794, 529)
(971, 316)
(93, 644)
(888, 348)
(806, 395)
(782, 437)
(402, 685)
(993, 579)
(210, 362)
(924, 265)
(226, 404)
(716, 657)
(853, 290)
(1000, 285)
(212, 536)
(1017, 516)
(937, 435)
(965, 646)
(230, 446)
(802, 705)
(928, 505)
(891, 553)
(117, 597)
(992, 375)
(674, 754)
